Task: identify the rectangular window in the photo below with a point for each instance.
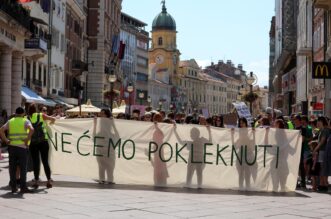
(142, 45)
(142, 77)
(142, 61)
(39, 72)
(45, 77)
(63, 43)
(34, 68)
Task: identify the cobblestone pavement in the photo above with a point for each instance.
(73, 197)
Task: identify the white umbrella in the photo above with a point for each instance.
(119, 110)
(85, 108)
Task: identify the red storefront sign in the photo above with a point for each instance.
(318, 106)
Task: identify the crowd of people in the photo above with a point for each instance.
(315, 162)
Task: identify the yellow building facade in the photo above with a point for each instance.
(164, 56)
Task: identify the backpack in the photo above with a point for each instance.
(38, 135)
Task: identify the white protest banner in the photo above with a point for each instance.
(243, 111)
(130, 152)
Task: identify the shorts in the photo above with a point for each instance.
(307, 155)
(321, 156)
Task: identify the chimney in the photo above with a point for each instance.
(228, 62)
(212, 63)
(240, 66)
(220, 62)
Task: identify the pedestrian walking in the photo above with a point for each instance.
(20, 131)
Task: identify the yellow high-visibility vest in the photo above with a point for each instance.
(17, 132)
(290, 125)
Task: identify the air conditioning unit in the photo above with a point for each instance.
(58, 92)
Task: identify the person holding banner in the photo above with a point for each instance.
(39, 146)
(106, 165)
(246, 172)
(160, 168)
(196, 152)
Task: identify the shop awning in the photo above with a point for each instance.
(32, 97)
(63, 103)
(50, 102)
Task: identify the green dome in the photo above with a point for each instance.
(164, 21)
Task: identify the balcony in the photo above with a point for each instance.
(326, 4)
(16, 11)
(78, 65)
(37, 83)
(35, 48)
(304, 51)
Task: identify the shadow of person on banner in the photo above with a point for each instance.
(246, 157)
(195, 162)
(105, 152)
(160, 168)
(279, 169)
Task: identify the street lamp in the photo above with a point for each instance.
(183, 109)
(250, 80)
(112, 79)
(160, 104)
(141, 97)
(171, 106)
(130, 90)
(149, 100)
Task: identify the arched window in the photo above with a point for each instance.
(160, 41)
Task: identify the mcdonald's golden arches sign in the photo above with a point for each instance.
(321, 70)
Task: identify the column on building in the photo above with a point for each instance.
(24, 70)
(16, 98)
(5, 79)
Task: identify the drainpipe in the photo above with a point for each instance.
(49, 47)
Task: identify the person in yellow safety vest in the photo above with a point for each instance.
(39, 146)
(20, 131)
(290, 125)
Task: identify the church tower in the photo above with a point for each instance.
(163, 52)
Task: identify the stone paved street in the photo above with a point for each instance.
(80, 198)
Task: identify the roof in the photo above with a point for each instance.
(219, 75)
(134, 21)
(189, 63)
(164, 21)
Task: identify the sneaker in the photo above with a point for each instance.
(35, 185)
(26, 190)
(14, 190)
(49, 184)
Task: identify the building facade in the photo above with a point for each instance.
(14, 29)
(164, 56)
(285, 56)
(76, 49)
(272, 38)
(326, 6)
(215, 95)
(35, 68)
(103, 23)
(304, 54)
(192, 85)
(159, 89)
(134, 66)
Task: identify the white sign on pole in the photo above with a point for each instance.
(243, 111)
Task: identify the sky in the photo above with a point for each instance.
(212, 30)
